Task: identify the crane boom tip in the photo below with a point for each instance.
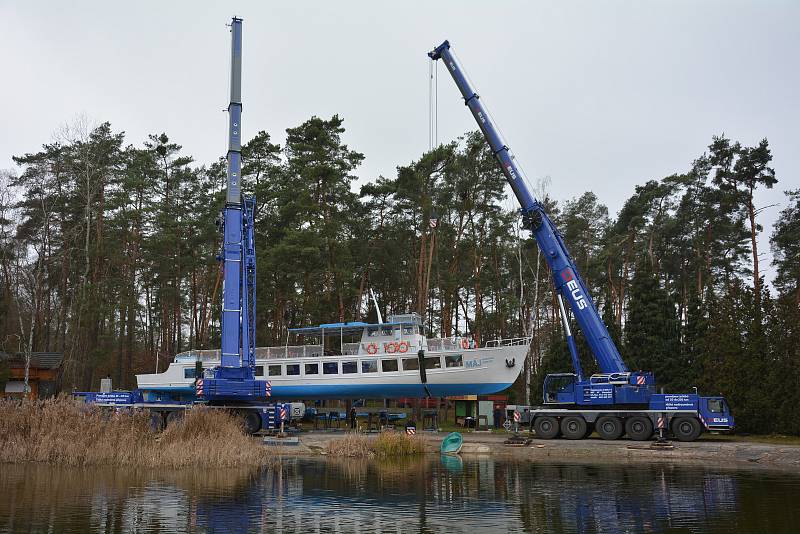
(436, 53)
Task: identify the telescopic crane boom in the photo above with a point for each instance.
(232, 248)
(568, 283)
(234, 379)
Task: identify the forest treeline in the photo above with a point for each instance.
(108, 255)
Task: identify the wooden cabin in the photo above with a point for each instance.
(44, 374)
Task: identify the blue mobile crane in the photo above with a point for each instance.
(234, 379)
(232, 385)
(616, 400)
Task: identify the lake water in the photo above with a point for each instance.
(425, 495)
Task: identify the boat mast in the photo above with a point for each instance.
(377, 309)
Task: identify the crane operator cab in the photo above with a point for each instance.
(715, 414)
(559, 388)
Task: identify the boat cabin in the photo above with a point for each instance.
(401, 334)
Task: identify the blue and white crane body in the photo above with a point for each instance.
(232, 384)
(614, 397)
(234, 379)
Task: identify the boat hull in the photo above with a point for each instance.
(481, 371)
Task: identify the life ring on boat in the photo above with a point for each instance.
(390, 348)
(464, 343)
(402, 347)
(372, 348)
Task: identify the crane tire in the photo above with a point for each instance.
(686, 428)
(156, 421)
(174, 416)
(546, 427)
(573, 427)
(252, 421)
(639, 428)
(609, 427)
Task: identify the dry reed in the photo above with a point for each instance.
(68, 432)
(386, 445)
(395, 444)
(350, 446)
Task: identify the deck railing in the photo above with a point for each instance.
(268, 353)
(210, 355)
(440, 344)
(508, 342)
(291, 351)
(347, 349)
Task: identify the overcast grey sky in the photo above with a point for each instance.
(597, 95)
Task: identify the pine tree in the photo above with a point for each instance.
(652, 337)
(785, 243)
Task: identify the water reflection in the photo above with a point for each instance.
(433, 494)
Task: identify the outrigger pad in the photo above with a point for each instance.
(517, 441)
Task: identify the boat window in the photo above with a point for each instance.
(312, 369)
(715, 405)
(293, 369)
(410, 364)
(274, 370)
(454, 360)
(371, 366)
(349, 367)
(433, 362)
(189, 373)
(372, 331)
(388, 366)
(386, 331)
(259, 370)
(330, 368)
(408, 329)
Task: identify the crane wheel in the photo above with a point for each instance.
(573, 427)
(174, 416)
(639, 428)
(686, 428)
(252, 421)
(156, 421)
(546, 427)
(609, 427)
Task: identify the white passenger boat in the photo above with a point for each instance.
(363, 360)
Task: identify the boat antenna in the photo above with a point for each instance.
(377, 309)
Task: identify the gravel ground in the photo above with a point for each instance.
(705, 451)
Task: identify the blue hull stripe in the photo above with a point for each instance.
(388, 391)
(371, 391)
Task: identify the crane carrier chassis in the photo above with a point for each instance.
(687, 423)
(256, 417)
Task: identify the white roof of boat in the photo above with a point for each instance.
(349, 327)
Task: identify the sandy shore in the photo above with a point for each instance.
(740, 454)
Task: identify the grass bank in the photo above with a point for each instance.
(67, 432)
(386, 445)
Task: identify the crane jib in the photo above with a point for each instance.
(232, 294)
(565, 274)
